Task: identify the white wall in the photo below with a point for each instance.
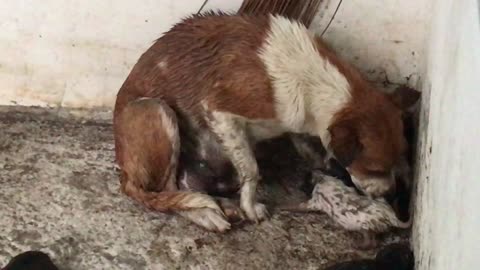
(77, 53)
(379, 36)
(447, 219)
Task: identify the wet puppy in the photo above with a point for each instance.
(203, 167)
(352, 211)
(31, 260)
(198, 175)
(207, 172)
(391, 257)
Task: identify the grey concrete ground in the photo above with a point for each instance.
(59, 193)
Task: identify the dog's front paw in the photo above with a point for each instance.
(255, 212)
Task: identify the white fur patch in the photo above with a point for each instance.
(308, 89)
(210, 219)
(200, 200)
(162, 65)
(171, 129)
(184, 180)
(259, 130)
(232, 132)
(208, 145)
(373, 186)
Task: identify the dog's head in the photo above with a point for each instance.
(367, 138)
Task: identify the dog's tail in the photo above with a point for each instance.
(170, 201)
(148, 146)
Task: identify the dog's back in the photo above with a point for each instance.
(211, 56)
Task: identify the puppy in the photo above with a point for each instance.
(204, 168)
(391, 257)
(211, 175)
(235, 80)
(199, 176)
(31, 260)
(352, 211)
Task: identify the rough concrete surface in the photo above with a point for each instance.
(60, 194)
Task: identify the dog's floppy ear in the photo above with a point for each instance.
(405, 97)
(344, 142)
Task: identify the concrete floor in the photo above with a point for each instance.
(60, 194)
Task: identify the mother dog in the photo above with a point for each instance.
(232, 80)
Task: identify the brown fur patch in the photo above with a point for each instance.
(206, 58)
(147, 153)
(149, 148)
(367, 135)
(374, 143)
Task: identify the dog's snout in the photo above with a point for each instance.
(375, 186)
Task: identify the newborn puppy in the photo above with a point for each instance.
(349, 209)
(395, 257)
(333, 168)
(31, 260)
(201, 176)
(203, 168)
(198, 175)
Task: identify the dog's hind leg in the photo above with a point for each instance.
(148, 147)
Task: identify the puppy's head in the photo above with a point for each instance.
(204, 167)
(367, 138)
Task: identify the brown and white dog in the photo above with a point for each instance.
(233, 80)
